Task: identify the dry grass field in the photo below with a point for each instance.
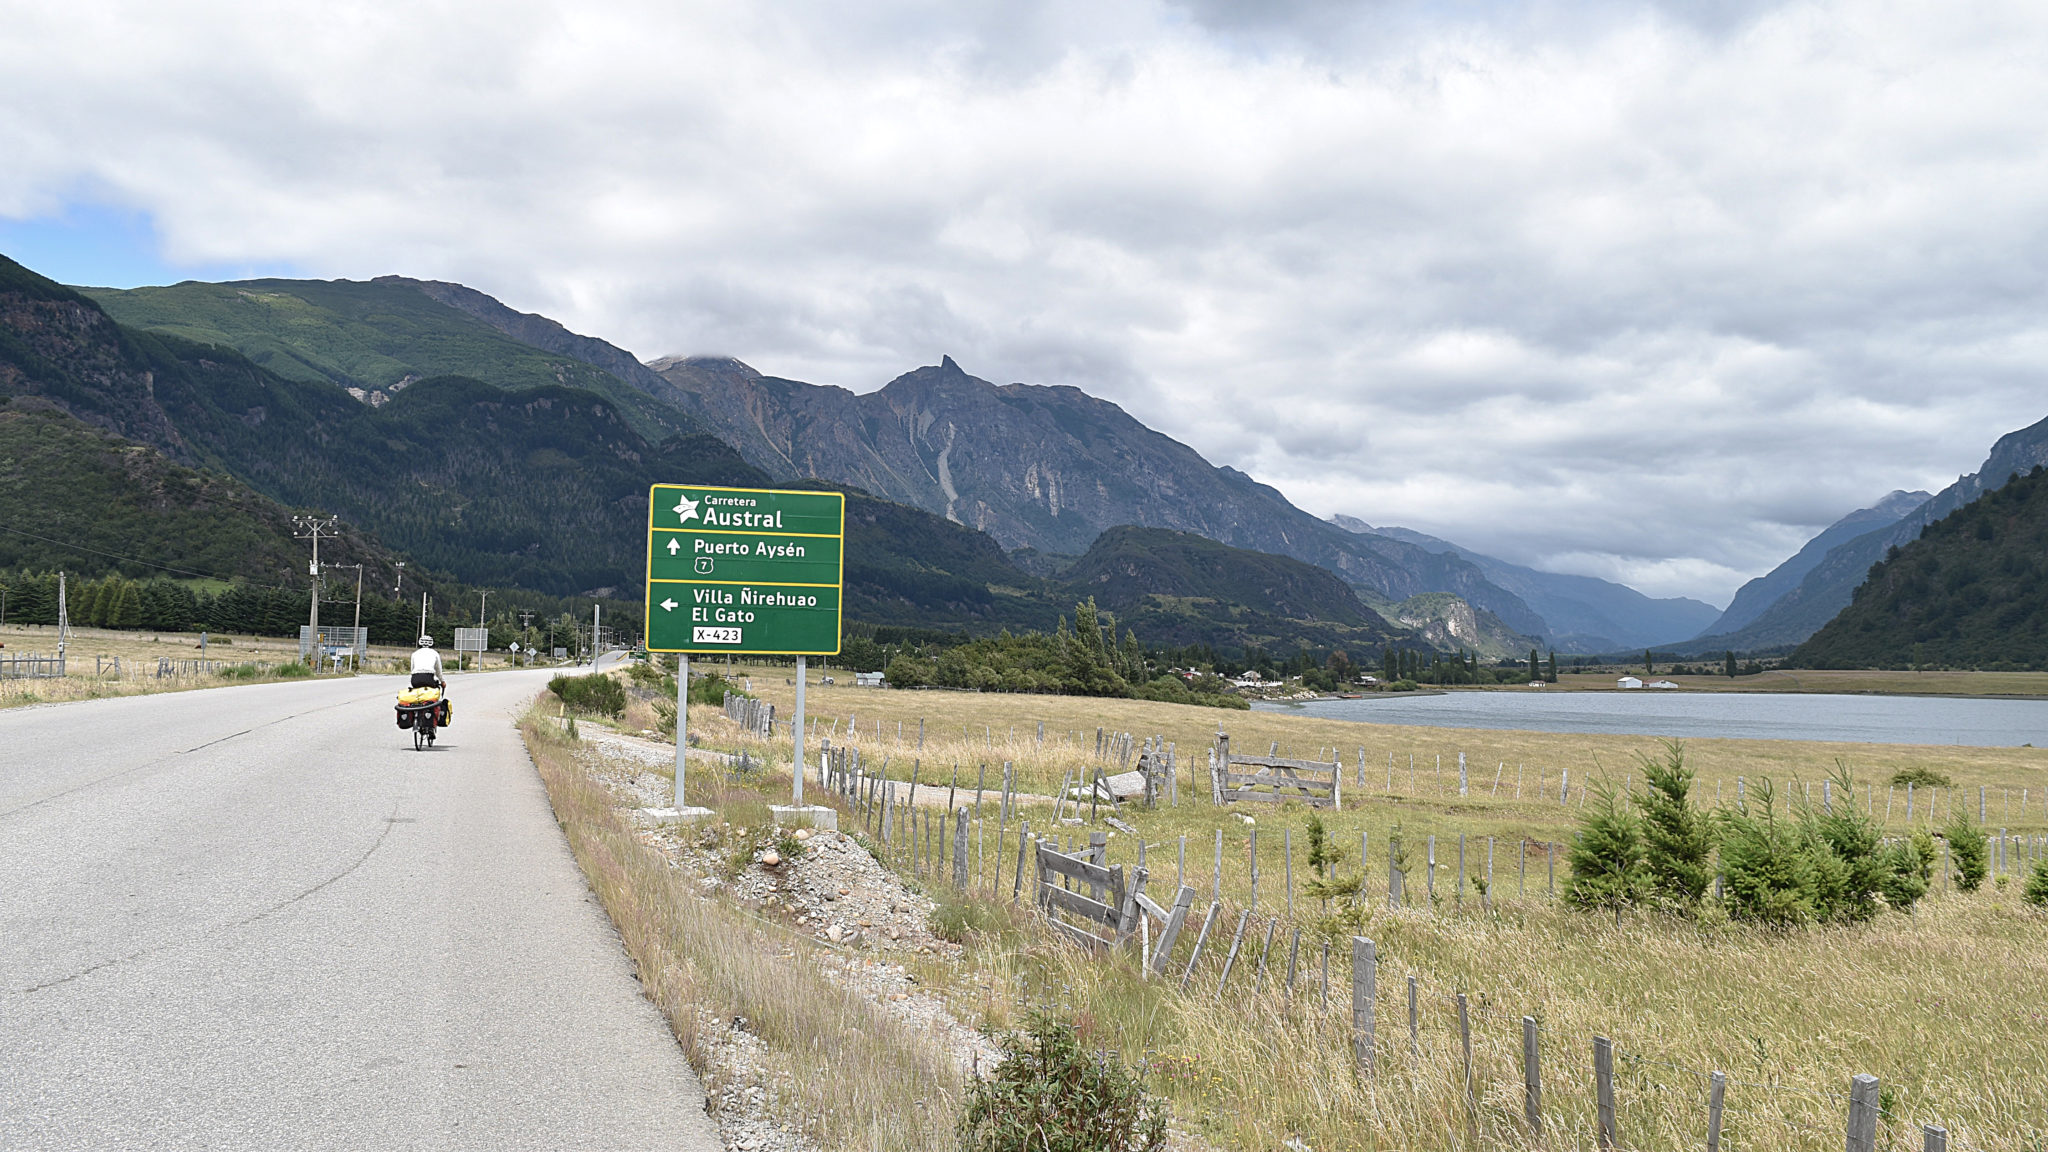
(92, 672)
(971, 730)
(1943, 1005)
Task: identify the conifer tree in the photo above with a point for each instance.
(1728, 665)
(1678, 841)
(1606, 855)
(1967, 851)
(1769, 871)
(1535, 670)
(1552, 676)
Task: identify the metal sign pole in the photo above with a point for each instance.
(682, 720)
(796, 734)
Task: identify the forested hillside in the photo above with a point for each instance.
(1971, 592)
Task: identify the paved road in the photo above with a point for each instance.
(253, 917)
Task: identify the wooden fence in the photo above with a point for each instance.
(31, 667)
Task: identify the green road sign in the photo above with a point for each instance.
(747, 570)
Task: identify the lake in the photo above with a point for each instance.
(1777, 716)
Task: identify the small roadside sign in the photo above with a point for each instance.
(757, 571)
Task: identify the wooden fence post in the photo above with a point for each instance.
(1603, 1083)
(1182, 901)
(1933, 1138)
(1465, 1048)
(1236, 939)
(1717, 1095)
(1532, 1079)
(1023, 846)
(1414, 1028)
(1216, 893)
(1201, 938)
(1862, 1113)
(960, 848)
(1364, 990)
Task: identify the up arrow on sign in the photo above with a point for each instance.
(668, 605)
(673, 547)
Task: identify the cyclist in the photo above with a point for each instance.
(426, 665)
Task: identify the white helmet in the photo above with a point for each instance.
(426, 641)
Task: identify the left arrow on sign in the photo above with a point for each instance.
(668, 605)
(673, 546)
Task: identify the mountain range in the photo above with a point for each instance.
(479, 407)
(540, 484)
(1044, 469)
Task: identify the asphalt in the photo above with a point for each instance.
(254, 917)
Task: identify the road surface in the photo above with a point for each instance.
(253, 917)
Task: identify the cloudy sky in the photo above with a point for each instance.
(1647, 291)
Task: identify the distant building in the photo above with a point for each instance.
(1535, 683)
(867, 680)
(1628, 682)
(1662, 684)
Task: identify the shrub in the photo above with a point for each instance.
(2036, 891)
(1678, 840)
(712, 687)
(1051, 1095)
(293, 671)
(598, 694)
(1968, 852)
(1922, 777)
(1606, 856)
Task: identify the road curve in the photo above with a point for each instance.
(253, 917)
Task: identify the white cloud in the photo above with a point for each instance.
(1647, 291)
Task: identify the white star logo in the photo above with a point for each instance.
(686, 509)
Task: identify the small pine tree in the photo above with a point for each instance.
(1968, 851)
(1649, 666)
(2036, 891)
(1552, 676)
(1678, 839)
(1902, 879)
(1535, 669)
(1728, 664)
(1852, 864)
(1769, 869)
(1606, 856)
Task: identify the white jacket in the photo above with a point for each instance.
(426, 660)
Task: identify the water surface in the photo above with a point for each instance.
(1753, 716)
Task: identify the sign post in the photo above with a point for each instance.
(747, 571)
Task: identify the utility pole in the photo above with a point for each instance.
(63, 621)
(596, 626)
(526, 634)
(310, 528)
(399, 588)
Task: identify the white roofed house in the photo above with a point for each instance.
(1628, 682)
